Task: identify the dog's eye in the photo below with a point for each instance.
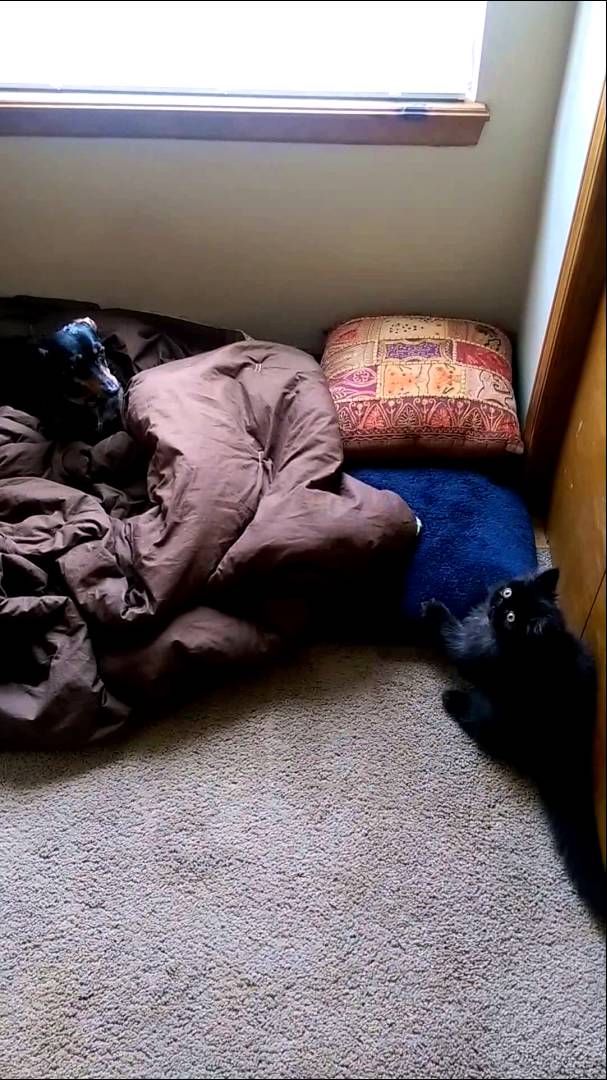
(507, 593)
(510, 616)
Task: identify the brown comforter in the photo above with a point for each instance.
(218, 528)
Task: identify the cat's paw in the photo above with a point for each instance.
(455, 702)
(434, 613)
(434, 618)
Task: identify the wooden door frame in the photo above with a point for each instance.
(580, 284)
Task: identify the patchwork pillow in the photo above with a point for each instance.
(411, 386)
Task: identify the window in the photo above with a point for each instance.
(382, 59)
(390, 50)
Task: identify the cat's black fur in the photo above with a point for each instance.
(531, 703)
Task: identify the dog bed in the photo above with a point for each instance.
(476, 532)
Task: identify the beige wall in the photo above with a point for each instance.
(285, 240)
(582, 87)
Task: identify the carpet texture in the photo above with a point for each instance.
(311, 875)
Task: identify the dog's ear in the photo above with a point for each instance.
(40, 370)
(88, 322)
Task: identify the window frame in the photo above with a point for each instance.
(180, 116)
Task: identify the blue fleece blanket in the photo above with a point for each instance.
(475, 534)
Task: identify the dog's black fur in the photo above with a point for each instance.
(65, 380)
(531, 703)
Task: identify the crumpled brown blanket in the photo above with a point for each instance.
(215, 528)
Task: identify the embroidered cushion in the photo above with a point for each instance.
(411, 386)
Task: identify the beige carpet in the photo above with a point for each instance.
(311, 876)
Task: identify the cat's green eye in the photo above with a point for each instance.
(507, 593)
(510, 616)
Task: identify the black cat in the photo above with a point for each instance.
(531, 703)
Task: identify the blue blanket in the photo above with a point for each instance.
(475, 534)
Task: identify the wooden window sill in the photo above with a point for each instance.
(156, 116)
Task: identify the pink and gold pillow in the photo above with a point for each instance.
(413, 386)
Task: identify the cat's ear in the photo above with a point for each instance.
(546, 583)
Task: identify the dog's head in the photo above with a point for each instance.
(76, 363)
(77, 374)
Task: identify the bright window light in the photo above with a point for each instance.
(422, 50)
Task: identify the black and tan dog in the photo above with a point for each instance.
(65, 380)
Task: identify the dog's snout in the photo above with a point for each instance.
(108, 383)
(103, 386)
(112, 385)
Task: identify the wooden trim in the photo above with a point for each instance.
(300, 121)
(580, 284)
(576, 522)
